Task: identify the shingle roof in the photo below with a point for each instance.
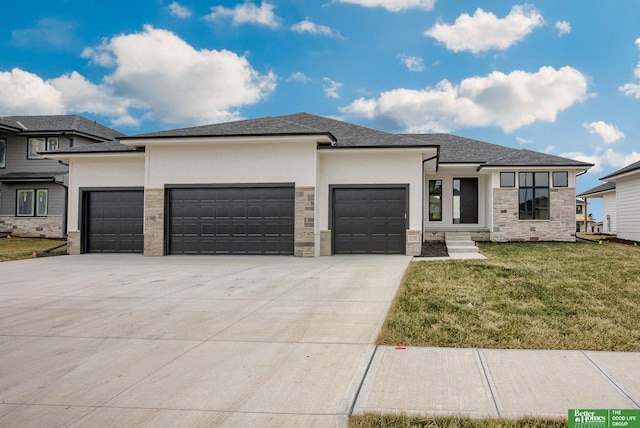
(62, 123)
(252, 127)
(113, 146)
(30, 176)
(9, 125)
(455, 149)
(628, 168)
(599, 189)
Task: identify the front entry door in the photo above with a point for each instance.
(465, 200)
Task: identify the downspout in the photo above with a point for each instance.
(422, 179)
(65, 211)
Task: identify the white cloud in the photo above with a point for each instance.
(154, 74)
(50, 33)
(604, 159)
(299, 77)
(509, 101)
(523, 141)
(413, 63)
(80, 95)
(549, 149)
(484, 31)
(24, 93)
(563, 27)
(633, 89)
(607, 132)
(179, 11)
(307, 26)
(247, 13)
(331, 88)
(394, 5)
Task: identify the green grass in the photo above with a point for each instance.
(396, 421)
(23, 248)
(526, 295)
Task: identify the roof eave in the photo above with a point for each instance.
(206, 139)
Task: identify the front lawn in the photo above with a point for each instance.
(23, 248)
(398, 421)
(526, 295)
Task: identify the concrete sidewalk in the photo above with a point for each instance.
(492, 383)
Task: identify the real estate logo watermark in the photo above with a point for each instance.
(602, 418)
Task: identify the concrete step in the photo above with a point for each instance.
(460, 242)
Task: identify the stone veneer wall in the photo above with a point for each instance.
(73, 243)
(413, 243)
(304, 229)
(153, 222)
(325, 243)
(561, 225)
(33, 227)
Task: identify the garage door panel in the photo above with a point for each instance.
(114, 221)
(232, 220)
(369, 220)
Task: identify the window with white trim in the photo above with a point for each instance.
(41, 144)
(32, 202)
(3, 153)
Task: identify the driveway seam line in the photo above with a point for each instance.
(366, 372)
(489, 381)
(610, 378)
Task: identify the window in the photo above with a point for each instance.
(534, 195)
(435, 200)
(32, 202)
(578, 209)
(507, 179)
(41, 144)
(3, 153)
(560, 179)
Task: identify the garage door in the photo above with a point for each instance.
(114, 221)
(231, 220)
(369, 220)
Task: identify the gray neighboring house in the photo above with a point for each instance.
(33, 189)
(620, 195)
(308, 185)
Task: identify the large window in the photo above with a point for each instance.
(534, 195)
(3, 153)
(32, 202)
(41, 144)
(435, 200)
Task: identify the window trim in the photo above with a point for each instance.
(50, 143)
(3, 153)
(533, 188)
(36, 210)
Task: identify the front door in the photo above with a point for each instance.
(465, 200)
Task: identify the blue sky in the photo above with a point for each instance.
(561, 77)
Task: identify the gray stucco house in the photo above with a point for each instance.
(308, 185)
(33, 189)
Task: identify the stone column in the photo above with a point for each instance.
(304, 233)
(153, 222)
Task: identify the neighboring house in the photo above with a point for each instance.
(33, 190)
(621, 197)
(591, 221)
(308, 185)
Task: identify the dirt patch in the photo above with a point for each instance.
(434, 249)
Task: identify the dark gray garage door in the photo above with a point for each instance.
(114, 221)
(231, 220)
(369, 220)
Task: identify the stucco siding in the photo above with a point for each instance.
(628, 218)
(231, 163)
(369, 168)
(103, 172)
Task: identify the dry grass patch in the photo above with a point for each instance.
(23, 248)
(526, 295)
(398, 421)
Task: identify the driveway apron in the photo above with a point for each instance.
(126, 340)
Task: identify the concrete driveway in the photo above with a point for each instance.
(124, 340)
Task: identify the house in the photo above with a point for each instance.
(621, 194)
(308, 185)
(33, 190)
(592, 225)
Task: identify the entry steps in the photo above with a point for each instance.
(460, 243)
